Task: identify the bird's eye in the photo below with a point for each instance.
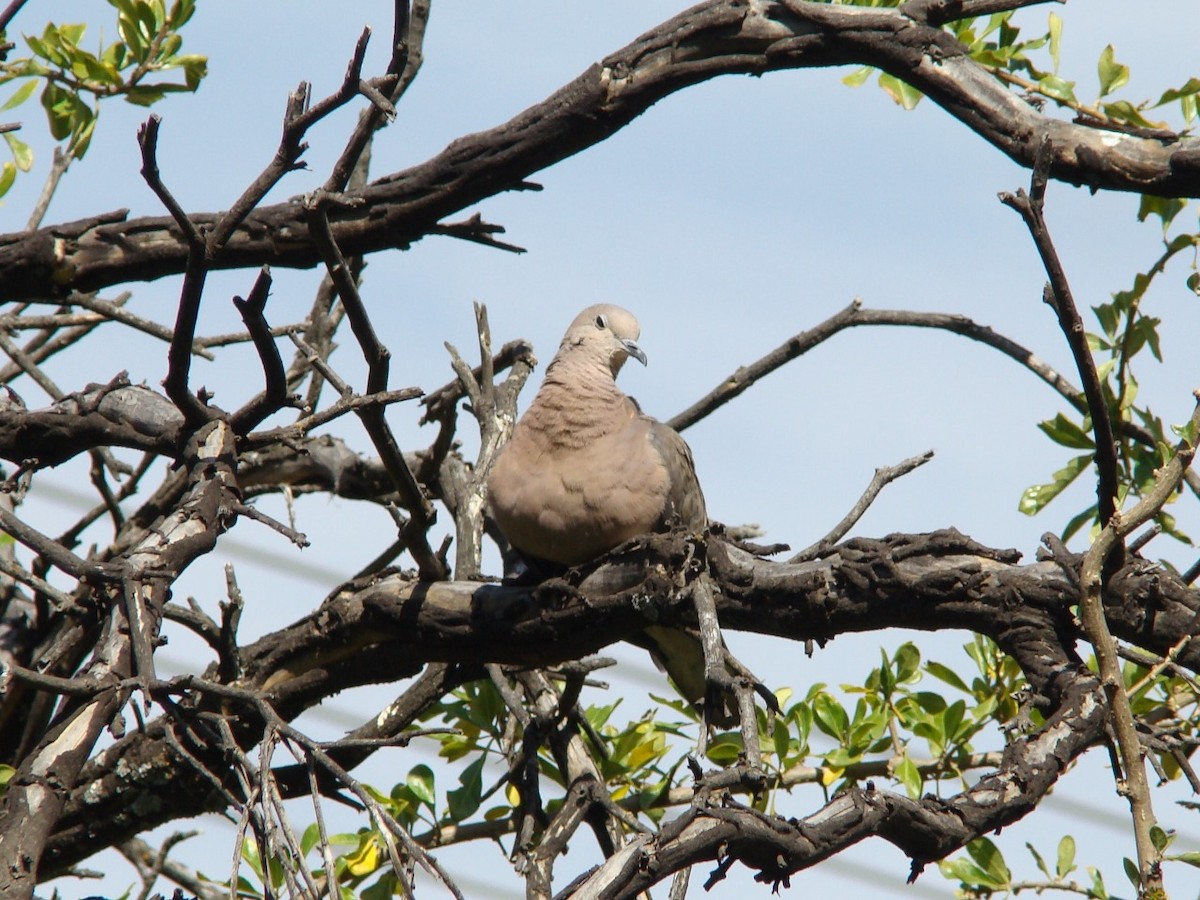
(601, 321)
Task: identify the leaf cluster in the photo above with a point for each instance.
(1125, 332)
(995, 42)
(74, 80)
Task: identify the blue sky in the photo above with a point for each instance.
(728, 218)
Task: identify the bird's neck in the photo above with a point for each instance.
(584, 401)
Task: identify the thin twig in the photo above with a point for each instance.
(421, 510)
(53, 552)
(1058, 296)
(18, 573)
(354, 402)
(114, 310)
(273, 396)
(230, 655)
(408, 33)
(1137, 790)
(84, 688)
(881, 479)
(9, 12)
(291, 534)
(179, 353)
(58, 167)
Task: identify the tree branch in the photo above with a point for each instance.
(1137, 790)
(1058, 296)
(389, 628)
(717, 37)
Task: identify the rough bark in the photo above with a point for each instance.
(389, 628)
(721, 37)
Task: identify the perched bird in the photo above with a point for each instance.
(586, 470)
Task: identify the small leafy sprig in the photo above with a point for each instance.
(74, 80)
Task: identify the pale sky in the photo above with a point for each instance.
(728, 218)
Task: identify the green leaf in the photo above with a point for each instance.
(1113, 75)
(1191, 857)
(384, 889)
(965, 871)
(1109, 317)
(195, 67)
(71, 34)
(145, 95)
(858, 77)
(8, 174)
(989, 858)
(952, 719)
(1035, 498)
(1160, 839)
(908, 661)
(1193, 282)
(830, 717)
(1190, 89)
(420, 782)
(887, 679)
(312, 834)
(903, 93)
(726, 750)
(20, 95)
(170, 46)
(1077, 522)
(909, 776)
(1063, 431)
(181, 11)
(128, 29)
(464, 800)
(948, 675)
(82, 139)
(148, 22)
(782, 743)
(1056, 26)
(1131, 872)
(1166, 208)
(1126, 113)
(115, 55)
(1057, 88)
(57, 104)
(1065, 864)
(1037, 857)
(250, 855)
(21, 151)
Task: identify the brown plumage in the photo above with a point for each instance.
(586, 470)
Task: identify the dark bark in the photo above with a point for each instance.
(720, 37)
(388, 629)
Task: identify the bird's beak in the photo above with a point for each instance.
(634, 350)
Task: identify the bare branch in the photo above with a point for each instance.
(10, 11)
(347, 404)
(58, 167)
(50, 550)
(274, 395)
(714, 38)
(1137, 790)
(378, 363)
(1058, 296)
(881, 479)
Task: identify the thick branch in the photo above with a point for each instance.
(389, 629)
(718, 37)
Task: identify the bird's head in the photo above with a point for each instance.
(607, 332)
